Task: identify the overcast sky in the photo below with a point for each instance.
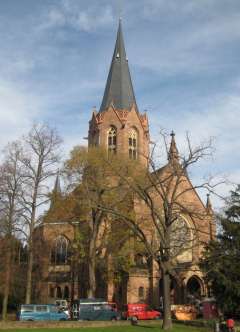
(184, 57)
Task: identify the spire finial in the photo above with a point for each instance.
(173, 155)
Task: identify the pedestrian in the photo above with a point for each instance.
(230, 325)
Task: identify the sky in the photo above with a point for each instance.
(184, 62)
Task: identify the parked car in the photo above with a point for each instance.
(113, 305)
(63, 305)
(33, 312)
(140, 311)
(94, 309)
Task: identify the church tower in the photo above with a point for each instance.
(118, 126)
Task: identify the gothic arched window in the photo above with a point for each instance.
(141, 293)
(60, 251)
(132, 144)
(66, 292)
(112, 140)
(58, 292)
(181, 240)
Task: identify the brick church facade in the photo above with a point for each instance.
(119, 127)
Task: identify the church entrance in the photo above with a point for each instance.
(194, 288)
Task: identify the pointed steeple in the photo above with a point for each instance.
(119, 89)
(209, 205)
(57, 186)
(56, 193)
(173, 155)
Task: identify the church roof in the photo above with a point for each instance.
(119, 89)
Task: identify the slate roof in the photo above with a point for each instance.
(119, 89)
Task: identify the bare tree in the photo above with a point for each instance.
(11, 181)
(41, 157)
(160, 199)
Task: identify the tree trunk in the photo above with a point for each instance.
(7, 281)
(29, 275)
(30, 253)
(92, 267)
(167, 320)
(151, 286)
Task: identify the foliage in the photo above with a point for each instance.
(91, 186)
(221, 258)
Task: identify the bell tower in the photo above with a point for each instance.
(118, 126)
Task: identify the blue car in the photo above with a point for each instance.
(33, 312)
(94, 309)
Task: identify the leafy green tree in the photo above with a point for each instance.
(92, 185)
(221, 258)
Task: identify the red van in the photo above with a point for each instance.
(140, 311)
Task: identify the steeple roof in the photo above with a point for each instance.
(173, 154)
(57, 192)
(209, 205)
(57, 186)
(119, 89)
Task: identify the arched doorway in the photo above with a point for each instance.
(66, 293)
(194, 289)
(58, 292)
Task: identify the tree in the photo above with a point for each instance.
(160, 203)
(11, 181)
(92, 185)
(221, 258)
(40, 160)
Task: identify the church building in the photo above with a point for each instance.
(119, 127)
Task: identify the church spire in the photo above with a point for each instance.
(57, 186)
(173, 154)
(209, 205)
(119, 89)
(56, 193)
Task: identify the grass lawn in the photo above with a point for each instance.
(139, 328)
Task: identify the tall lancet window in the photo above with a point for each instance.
(112, 140)
(60, 251)
(133, 144)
